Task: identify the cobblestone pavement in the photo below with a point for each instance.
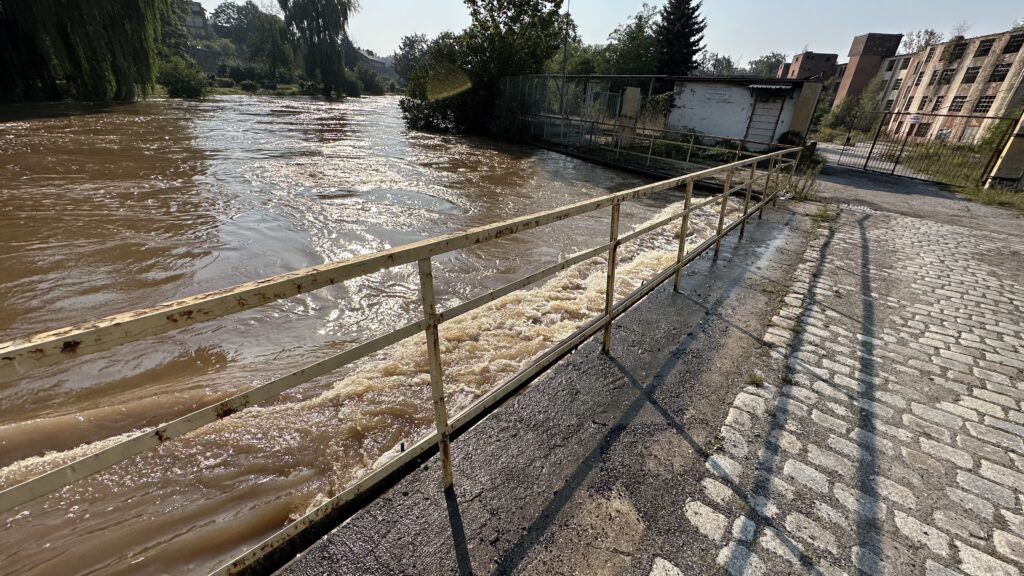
(888, 437)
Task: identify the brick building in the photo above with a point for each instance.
(808, 65)
(956, 88)
(867, 54)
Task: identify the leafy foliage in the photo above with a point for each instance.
(917, 40)
(98, 50)
(679, 37)
(714, 64)
(767, 66)
(633, 46)
(321, 27)
(411, 52)
(181, 78)
(455, 85)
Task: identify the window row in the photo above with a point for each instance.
(957, 104)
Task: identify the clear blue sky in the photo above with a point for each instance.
(743, 29)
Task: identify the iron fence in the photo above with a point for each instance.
(955, 149)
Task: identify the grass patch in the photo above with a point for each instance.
(755, 379)
(995, 197)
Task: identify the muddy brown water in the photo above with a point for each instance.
(108, 209)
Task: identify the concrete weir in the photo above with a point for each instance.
(586, 470)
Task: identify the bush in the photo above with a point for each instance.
(181, 78)
(248, 86)
(351, 85)
(223, 82)
(791, 138)
(372, 83)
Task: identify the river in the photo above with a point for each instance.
(108, 209)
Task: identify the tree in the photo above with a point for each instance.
(581, 59)
(411, 52)
(633, 46)
(102, 50)
(767, 66)
(714, 64)
(961, 29)
(1018, 24)
(679, 36)
(321, 27)
(917, 40)
(455, 86)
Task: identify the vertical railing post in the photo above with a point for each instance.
(650, 149)
(767, 187)
(746, 198)
(609, 295)
(721, 213)
(684, 229)
(792, 169)
(689, 149)
(436, 380)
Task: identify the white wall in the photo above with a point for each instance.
(720, 109)
(714, 109)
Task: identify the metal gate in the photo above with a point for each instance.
(946, 148)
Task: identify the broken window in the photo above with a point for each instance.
(971, 75)
(922, 129)
(897, 83)
(958, 51)
(984, 47)
(957, 104)
(935, 76)
(1013, 44)
(938, 103)
(984, 104)
(923, 104)
(888, 104)
(905, 64)
(946, 76)
(908, 103)
(920, 76)
(999, 73)
(890, 65)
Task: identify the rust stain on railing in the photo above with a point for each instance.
(56, 346)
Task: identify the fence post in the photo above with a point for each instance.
(650, 149)
(689, 149)
(609, 295)
(875, 141)
(767, 187)
(684, 228)
(436, 381)
(746, 199)
(721, 214)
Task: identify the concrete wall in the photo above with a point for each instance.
(725, 108)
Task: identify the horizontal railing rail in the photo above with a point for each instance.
(57, 346)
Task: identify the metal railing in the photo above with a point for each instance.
(51, 348)
(651, 149)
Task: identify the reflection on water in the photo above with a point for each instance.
(120, 208)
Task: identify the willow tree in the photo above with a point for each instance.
(320, 26)
(102, 49)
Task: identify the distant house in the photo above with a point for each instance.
(375, 63)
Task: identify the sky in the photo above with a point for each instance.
(743, 29)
